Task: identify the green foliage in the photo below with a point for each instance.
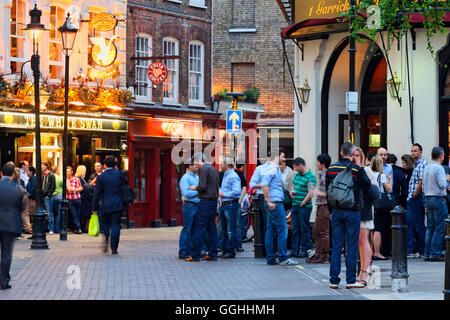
(252, 95)
(4, 86)
(223, 95)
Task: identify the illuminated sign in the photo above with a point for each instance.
(98, 74)
(374, 140)
(167, 128)
(104, 22)
(27, 121)
(157, 72)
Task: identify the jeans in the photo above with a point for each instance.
(186, 235)
(276, 226)
(415, 219)
(239, 227)
(344, 223)
(219, 231)
(75, 207)
(301, 233)
(111, 226)
(7, 243)
(228, 227)
(205, 221)
(437, 212)
(57, 198)
(48, 202)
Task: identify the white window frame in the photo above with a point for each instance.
(57, 39)
(198, 3)
(143, 64)
(19, 25)
(172, 65)
(200, 101)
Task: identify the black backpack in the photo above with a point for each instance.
(340, 191)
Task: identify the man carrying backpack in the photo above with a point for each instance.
(344, 183)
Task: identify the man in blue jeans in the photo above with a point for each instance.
(190, 208)
(272, 187)
(435, 191)
(345, 222)
(205, 221)
(48, 187)
(415, 217)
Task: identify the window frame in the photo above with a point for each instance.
(145, 53)
(198, 4)
(22, 37)
(201, 100)
(57, 40)
(176, 90)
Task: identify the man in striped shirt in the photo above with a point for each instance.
(301, 193)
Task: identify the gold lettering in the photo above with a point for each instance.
(82, 124)
(100, 124)
(89, 124)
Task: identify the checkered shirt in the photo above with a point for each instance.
(416, 176)
(73, 183)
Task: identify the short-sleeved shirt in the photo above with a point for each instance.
(382, 179)
(272, 178)
(301, 184)
(416, 176)
(58, 185)
(73, 183)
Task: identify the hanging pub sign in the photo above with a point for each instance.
(157, 72)
(103, 53)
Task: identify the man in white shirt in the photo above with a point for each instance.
(24, 171)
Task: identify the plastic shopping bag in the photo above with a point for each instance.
(94, 226)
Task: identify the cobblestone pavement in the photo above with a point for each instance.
(148, 267)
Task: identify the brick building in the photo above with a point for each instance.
(178, 107)
(248, 53)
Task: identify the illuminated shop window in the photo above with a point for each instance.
(139, 175)
(57, 18)
(170, 48)
(196, 61)
(143, 88)
(17, 36)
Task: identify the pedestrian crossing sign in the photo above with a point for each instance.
(234, 121)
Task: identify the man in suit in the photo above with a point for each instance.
(10, 220)
(108, 188)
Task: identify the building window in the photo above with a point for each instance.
(196, 57)
(143, 89)
(139, 176)
(170, 48)
(197, 3)
(57, 18)
(17, 37)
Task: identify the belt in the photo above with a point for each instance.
(276, 201)
(435, 196)
(230, 202)
(191, 202)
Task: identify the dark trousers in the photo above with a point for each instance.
(415, 219)
(111, 226)
(7, 243)
(205, 222)
(321, 231)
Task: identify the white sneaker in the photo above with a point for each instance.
(51, 232)
(411, 256)
(288, 262)
(355, 285)
(334, 286)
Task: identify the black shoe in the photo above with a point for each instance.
(114, 252)
(182, 256)
(30, 238)
(202, 255)
(247, 240)
(227, 256)
(5, 287)
(437, 259)
(239, 249)
(301, 255)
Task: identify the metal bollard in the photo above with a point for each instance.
(399, 273)
(258, 229)
(64, 215)
(447, 261)
(40, 221)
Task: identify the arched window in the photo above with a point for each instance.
(171, 48)
(143, 88)
(196, 72)
(55, 56)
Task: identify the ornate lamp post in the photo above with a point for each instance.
(68, 35)
(35, 29)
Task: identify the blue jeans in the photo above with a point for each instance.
(75, 208)
(227, 220)
(276, 226)
(239, 228)
(48, 202)
(219, 231)
(57, 198)
(437, 212)
(111, 226)
(205, 222)
(301, 233)
(344, 223)
(186, 235)
(415, 219)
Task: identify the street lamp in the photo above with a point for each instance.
(68, 35)
(304, 91)
(393, 85)
(35, 30)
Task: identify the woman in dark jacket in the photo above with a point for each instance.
(86, 199)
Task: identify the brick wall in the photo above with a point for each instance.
(163, 18)
(263, 48)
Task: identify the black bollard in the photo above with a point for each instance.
(447, 262)
(40, 222)
(399, 273)
(258, 229)
(64, 214)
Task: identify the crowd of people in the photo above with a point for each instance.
(353, 199)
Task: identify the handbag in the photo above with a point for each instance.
(94, 226)
(385, 201)
(128, 196)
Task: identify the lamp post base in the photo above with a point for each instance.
(63, 213)
(40, 220)
(399, 285)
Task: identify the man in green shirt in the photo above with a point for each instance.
(57, 198)
(302, 191)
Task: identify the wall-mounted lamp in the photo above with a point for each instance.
(304, 91)
(393, 85)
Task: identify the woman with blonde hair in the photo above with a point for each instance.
(380, 217)
(86, 200)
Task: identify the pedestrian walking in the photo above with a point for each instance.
(87, 196)
(190, 209)
(415, 218)
(435, 192)
(272, 187)
(31, 203)
(208, 193)
(241, 230)
(48, 188)
(345, 215)
(57, 198)
(302, 191)
(400, 185)
(109, 188)
(11, 206)
(73, 195)
(229, 192)
(321, 227)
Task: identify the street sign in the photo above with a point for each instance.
(234, 121)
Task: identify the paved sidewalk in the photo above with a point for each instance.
(148, 267)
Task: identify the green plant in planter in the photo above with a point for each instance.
(4, 87)
(252, 95)
(223, 95)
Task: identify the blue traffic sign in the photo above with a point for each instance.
(234, 121)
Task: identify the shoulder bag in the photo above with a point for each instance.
(385, 201)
